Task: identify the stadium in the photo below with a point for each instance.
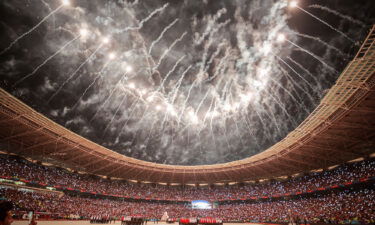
(187, 112)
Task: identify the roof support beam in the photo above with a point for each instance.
(20, 134)
(43, 143)
(104, 167)
(328, 148)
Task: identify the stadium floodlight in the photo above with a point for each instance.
(281, 38)
(293, 4)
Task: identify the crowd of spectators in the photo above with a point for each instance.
(333, 207)
(52, 176)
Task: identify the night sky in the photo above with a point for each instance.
(182, 82)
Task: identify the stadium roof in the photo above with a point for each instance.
(340, 129)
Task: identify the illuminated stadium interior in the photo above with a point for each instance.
(193, 112)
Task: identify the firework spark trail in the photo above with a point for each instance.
(288, 92)
(31, 30)
(213, 56)
(198, 108)
(185, 102)
(210, 24)
(227, 86)
(278, 102)
(74, 73)
(161, 35)
(226, 135)
(321, 42)
(163, 121)
(45, 61)
(178, 84)
(290, 78)
(50, 10)
(170, 72)
(286, 74)
(168, 50)
(238, 132)
(114, 115)
(201, 102)
(328, 25)
(203, 68)
(346, 17)
(244, 116)
(272, 117)
(148, 137)
(263, 123)
(132, 107)
(212, 132)
(91, 84)
(221, 66)
(208, 111)
(304, 69)
(140, 25)
(107, 99)
(314, 56)
(294, 71)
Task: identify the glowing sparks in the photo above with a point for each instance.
(246, 97)
(128, 68)
(112, 55)
(105, 40)
(171, 110)
(213, 113)
(281, 38)
(83, 32)
(131, 85)
(193, 117)
(263, 71)
(65, 2)
(150, 98)
(266, 48)
(227, 107)
(293, 4)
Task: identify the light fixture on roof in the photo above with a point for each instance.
(131, 85)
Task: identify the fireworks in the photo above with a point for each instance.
(217, 77)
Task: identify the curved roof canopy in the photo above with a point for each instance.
(340, 129)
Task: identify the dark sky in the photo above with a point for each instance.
(181, 81)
